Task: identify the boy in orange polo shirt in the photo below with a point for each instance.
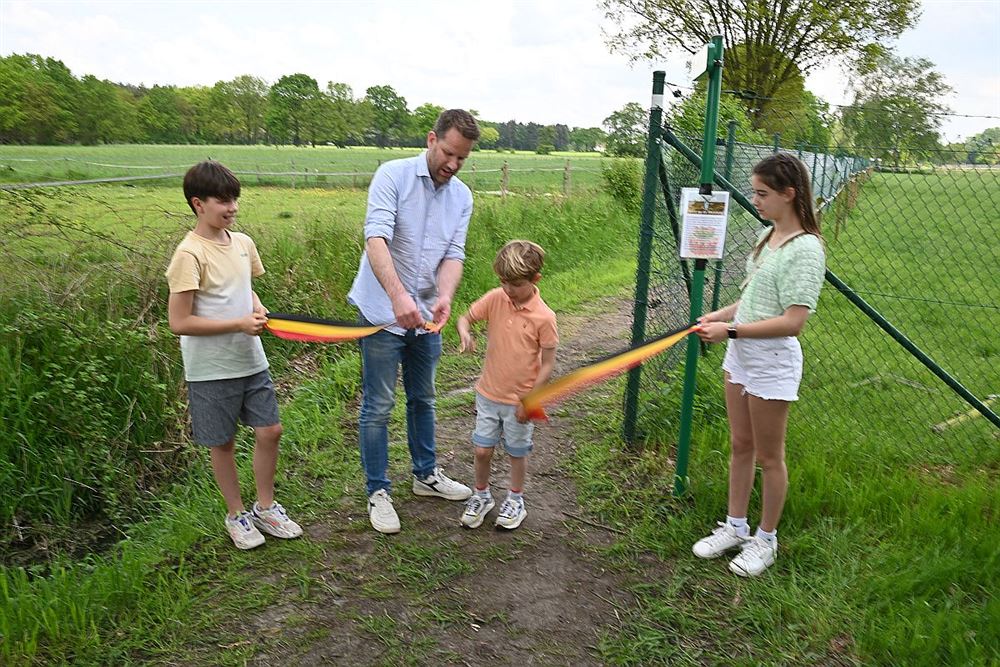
(520, 353)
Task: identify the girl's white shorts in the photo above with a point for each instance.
(768, 368)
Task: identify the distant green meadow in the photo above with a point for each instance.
(320, 166)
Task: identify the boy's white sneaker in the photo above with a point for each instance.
(274, 521)
(476, 509)
(722, 539)
(437, 484)
(512, 513)
(381, 513)
(245, 535)
(756, 556)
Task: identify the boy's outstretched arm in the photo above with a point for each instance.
(183, 321)
(464, 326)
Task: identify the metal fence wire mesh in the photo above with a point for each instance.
(914, 233)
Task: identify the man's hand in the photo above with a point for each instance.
(441, 311)
(406, 311)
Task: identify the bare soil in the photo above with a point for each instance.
(537, 595)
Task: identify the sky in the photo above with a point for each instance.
(537, 60)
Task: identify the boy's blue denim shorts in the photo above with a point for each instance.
(216, 405)
(495, 419)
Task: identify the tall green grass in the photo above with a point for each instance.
(888, 552)
(94, 396)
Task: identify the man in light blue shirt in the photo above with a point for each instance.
(415, 229)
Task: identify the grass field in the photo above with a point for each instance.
(887, 540)
(528, 172)
(886, 552)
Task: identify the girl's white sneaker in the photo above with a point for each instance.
(756, 556)
(722, 539)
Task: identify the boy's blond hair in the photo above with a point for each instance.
(519, 260)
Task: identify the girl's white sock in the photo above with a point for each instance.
(739, 523)
(769, 537)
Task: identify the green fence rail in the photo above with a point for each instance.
(902, 357)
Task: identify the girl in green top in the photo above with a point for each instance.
(763, 362)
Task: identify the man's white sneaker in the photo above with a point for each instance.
(476, 509)
(756, 556)
(274, 521)
(512, 513)
(437, 484)
(722, 539)
(381, 513)
(245, 535)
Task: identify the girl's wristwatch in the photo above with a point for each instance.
(731, 331)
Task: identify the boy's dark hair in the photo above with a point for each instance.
(461, 120)
(519, 260)
(210, 179)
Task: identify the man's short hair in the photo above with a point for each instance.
(210, 179)
(519, 260)
(461, 120)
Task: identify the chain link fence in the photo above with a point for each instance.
(912, 235)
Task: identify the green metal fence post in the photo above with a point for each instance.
(640, 305)
(727, 171)
(714, 71)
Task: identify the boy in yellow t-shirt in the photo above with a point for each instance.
(218, 316)
(520, 353)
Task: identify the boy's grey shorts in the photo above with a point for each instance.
(215, 406)
(494, 418)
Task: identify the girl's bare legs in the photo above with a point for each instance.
(224, 467)
(265, 461)
(741, 462)
(770, 420)
(482, 465)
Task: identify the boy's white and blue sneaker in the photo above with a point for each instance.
(275, 521)
(439, 485)
(512, 513)
(382, 514)
(245, 535)
(756, 556)
(476, 509)
(722, 539)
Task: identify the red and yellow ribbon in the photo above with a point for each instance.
(536, 400)
(314, 330)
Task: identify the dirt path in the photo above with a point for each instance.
(440, 594)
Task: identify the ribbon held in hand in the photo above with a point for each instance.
(315, 330)
(537, 399)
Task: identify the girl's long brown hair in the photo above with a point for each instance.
(784, 170)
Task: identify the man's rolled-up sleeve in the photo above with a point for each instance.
(380, 219)
(456, 247)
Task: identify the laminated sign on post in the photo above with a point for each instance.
(703, 234)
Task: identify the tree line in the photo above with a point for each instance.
(897, 108)
(42, 102)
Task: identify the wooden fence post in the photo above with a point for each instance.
(566, 179)
(504, 179)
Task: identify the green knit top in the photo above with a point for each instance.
(790, 275)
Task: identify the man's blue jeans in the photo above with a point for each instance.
(381, 356)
